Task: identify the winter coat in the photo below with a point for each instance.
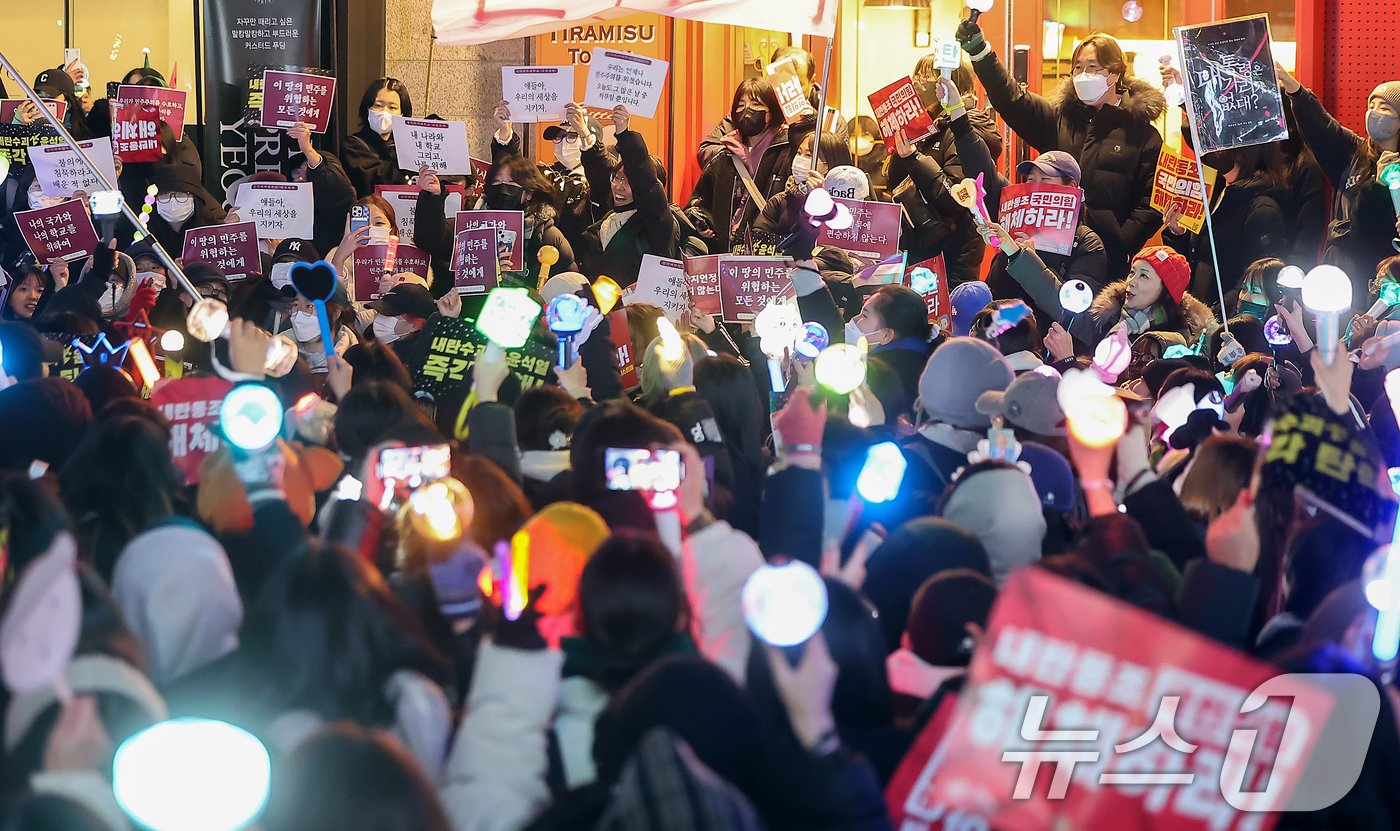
(432, 232)
(713, 145)
(1116, 147)
(720, 186)
(875, 165)
(1247, 214)
(1086, 261)
(716, 563)
(371, 160)
(331, 188)
(580, 205)
(1106, 310)
(652, 229)
(1305, 211)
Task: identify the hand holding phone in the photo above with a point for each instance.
(359, 218)
(646, 471)
(406, 468)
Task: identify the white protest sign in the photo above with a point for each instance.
(61, 173)
(537, 93)
(404, 199)
(439, 145)
(661, 282)
(281, 210)
(623, 78)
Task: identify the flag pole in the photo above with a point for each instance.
(821, 102)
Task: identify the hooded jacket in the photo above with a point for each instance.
(1116, 147)
(719, 186)
(179, 178)
(1107, 309)
(652, 228)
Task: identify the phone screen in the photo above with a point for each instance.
(636, 469)
(413, 466)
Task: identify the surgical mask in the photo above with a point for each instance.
(854, 333)
(157, 280)
(568, 153)
(864, 144)
(108, 299)
(305, 327)
(1090, 86)
(1253, 302)
(801, 168)
(750, 123)
(1381, 127)
(384, 327)
(379, 122)
(175, 213)
(506, 196)
(281, 274)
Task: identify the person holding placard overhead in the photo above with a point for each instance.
(369, 155)
(578, 208)
(1103, 117)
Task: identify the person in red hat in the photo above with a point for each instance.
(1152, 299)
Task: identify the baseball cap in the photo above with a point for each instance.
(296, 250)
(54, 83)
(1030, 402)
(847, 182)
(554, 132)
(1051, 163)
(406, 299)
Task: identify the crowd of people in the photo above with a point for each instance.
(401, 681)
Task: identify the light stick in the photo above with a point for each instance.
(317, 282)
(517, 585)
(548, 255)
(508, 317)
(882, 473)
(1276, 332)
(1381, 577)
(813, 340)
(140, 355)
(841, 367)
(1175, 96)
(1097, 417)
(672, 346)
(977, 7)
(251, 417)
(785, 603)
(1327, 294)
(1290, 277)
(1389, 295)
(1390, 177)
(607, 292)
(778, 326)
(192, 773)
(391, 254)
(972, 195)
(1075, 298)
(1113, 354)
(565, 316)
(1230, 350)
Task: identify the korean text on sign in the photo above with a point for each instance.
(1176, 185)
(281, 210)
(510, 228)
(233, 249)
(702, 278)
(136, 131)
(368, 265)
(58, 232)
(747, 284)
(1048, 214)
(661, 282)
(439, 145)
(537, 93)
(874, 231)
(61, 172)
(621, 78)
(191, 405)
(290, 97)
(787, 82)
(898, 110)
(404, 198)
(170, 102)
(17, 139)
(476, 258)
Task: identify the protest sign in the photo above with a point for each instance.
(747, 284)
(1177, 185)
(9, 106)
(620, 333)
(233, 249)
(136, 131)
(1232, 92)
(281, 210)
(509, 224)
(448, 346)
(702, 278)
(439, 145)
(898, 109)
(17, 139)
(1163, 705)
(622, 78)
(61, 172)
(537, 93)
(476, 260)
(787, 82)
(874, 231)
(290, 97)
(58, 232)
(367, 263)
(70, 364)
(930, 280)
(404, 199)
(170, 102)
(661, 282)
(1048, 214)
(191, 406)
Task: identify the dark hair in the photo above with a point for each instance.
(1203, 380)
(728, 387)
(926, 68)
(833, 151)
(760, 90)
(616, 423)
(525, 173)
(866, 126)
(1256, 161)
(543, 411)
(1387, 269)
(392, 85)
(630, 605)
(31, 515)
(501, 507)
(1107, 51)
(903, 311)
(24, 351)
(375, 361)
(382, 204)
(1264, 272)
(377, 411)
(797, 51)
(349, 777)
(1322, 555)
(1023, 337)
(20, 276)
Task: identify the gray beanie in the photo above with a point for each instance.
(1389, 92)
(954, 378)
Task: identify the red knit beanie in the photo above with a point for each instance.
(1170, 266)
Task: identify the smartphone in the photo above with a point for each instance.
(112, 88)
(359, 217)
(636, 469)
(413, 466)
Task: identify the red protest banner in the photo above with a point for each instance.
(702, 277)
(136, 131)
(898, 109)
(510, 225)
(1147, 717)
(747, 284)
(620, 333)
(476, 260)
(930, 279)
(289, 97)
(874, 231)
(8, 107)
(233, 249)
(367, 263)
(1048, 214)
(1177, 184)
(170, 102)
(58, 232)
(191, 405)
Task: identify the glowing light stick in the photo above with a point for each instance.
(1176, 96)
(607, 292)
(172, 343)
(548, 255)
(1290, 277)
(565, 316)
(1113, 354)
(977, 7)
(508, 317)
(192, 773)
(251, 417)
(813, 340)
(1390, 177)
(841, 367)
(972, 195)
(1389, 295)
(672, 346)
(1381, 576)
(1096, 416)
(827, 211)
(441, 510)
(1075, 298)
(923, 280)
(208, 321)
(882, 473)
(1276, 332)
(1327, 294)
(778, 326)
(4, 376)
(391, 254)
(140, 355)
(785, 603)
(517, 576)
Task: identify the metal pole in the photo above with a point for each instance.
(821, 103)
(1201, 174)
(428, 83)
(131, 216)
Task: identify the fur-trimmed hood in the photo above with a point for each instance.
(1108, 307)
(1139, 99)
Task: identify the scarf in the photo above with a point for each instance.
(612, 223)
(1142, 320)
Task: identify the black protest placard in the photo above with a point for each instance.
(1232, 92)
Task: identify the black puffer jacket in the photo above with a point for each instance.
(653, 229)
(1249, 217)
(370, 160)
(719, 187)
(1116, 147)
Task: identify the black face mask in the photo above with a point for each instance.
(750, 123)
(505, 196)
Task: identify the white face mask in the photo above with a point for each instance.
(854, 333)
(1090, 86)
(281, 274)
(569, 153)
(384, 328)
(305, 327)
(379, 122)
(155, 277)
(108, 299)
(175, 213)
(864, 144)
(801, 168)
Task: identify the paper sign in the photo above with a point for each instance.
(233, 249)
(702, 278)
(747, 284)
(16, 139)
(448, 346)
(1048, 214)
(191, 406)
(289, 97)
(898, 110)
(621, 78)
(61, 172)
(476, 260)
(1232, 92)
(510, 224)
(136, 131)
(10, 106)
(537, 93)
(874, 231)
(787, 82)
(43, 619)
(620, 333)
(367, 263)
(661, 282)
(282, 210)
(1140, 688)
(170, 102)
(404, 199)
(1177, 185)
(439, 145)
(930, 279)
(58, 232)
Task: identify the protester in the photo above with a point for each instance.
(868, 150)
(369, 154)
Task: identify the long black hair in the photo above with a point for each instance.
(392, 85)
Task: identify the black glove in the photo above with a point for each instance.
(969, 34)
(803, 239)
(523, 633)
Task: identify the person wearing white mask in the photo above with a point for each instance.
(777, 219)
(306, 330)
(369, 155)
(401, 315)
(1102, 116)
(182, 203)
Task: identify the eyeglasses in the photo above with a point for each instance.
(177, 198)
(568, 138)
(214, 294)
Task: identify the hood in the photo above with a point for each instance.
(87, 675)
(1001, 508)
(1139, 99)
(1108, 305)
(916, 551)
